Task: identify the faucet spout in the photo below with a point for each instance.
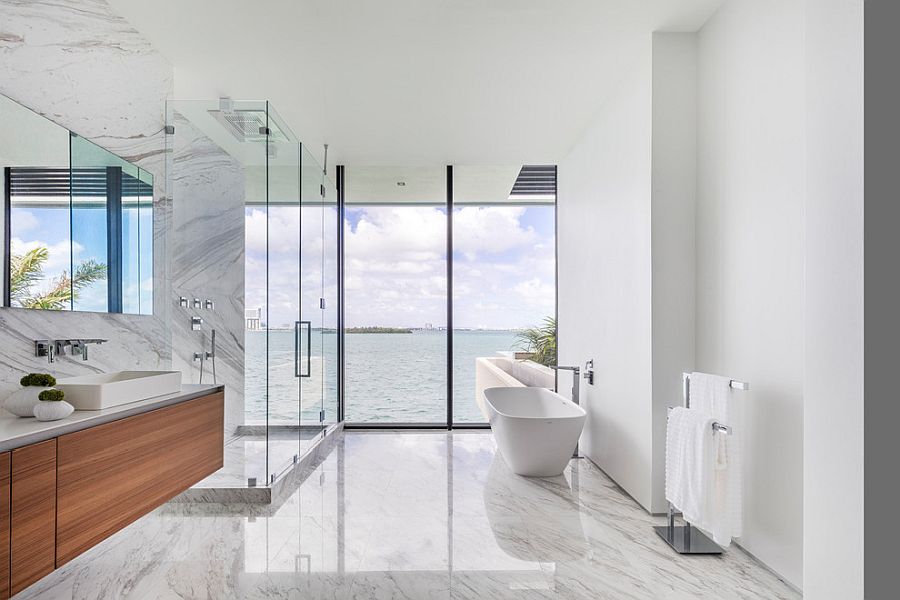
(575, 379)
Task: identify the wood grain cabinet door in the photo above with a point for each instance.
(112, 474)
(4, 525)
(33, 514)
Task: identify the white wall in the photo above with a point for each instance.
(833, 367)
(673, 209)
(751, 184)
(772, 257)
(604, 279)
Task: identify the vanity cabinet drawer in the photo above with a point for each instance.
(112, 474)
(32, 528)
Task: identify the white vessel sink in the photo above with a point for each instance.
(105, 390)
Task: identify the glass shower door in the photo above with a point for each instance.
(287, 336)
(330, 225)
(312, 300)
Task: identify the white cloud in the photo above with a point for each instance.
(480, 230)
(25, 220)
(396, 267)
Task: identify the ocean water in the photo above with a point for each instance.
(389, 378)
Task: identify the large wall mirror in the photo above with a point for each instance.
(77, 220)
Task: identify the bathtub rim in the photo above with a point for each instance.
(583, 412)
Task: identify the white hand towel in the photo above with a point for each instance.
(722, 517)
(690, 461)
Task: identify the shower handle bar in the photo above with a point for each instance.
(297, 326)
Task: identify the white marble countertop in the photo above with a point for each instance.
(21, 431)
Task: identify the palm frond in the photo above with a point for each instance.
(540, 341)
(24, 271)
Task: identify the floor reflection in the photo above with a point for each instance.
(410, 515)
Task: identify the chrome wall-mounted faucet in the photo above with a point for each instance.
(53, 348)
(81, 346)
(45, 348)
(589, 371)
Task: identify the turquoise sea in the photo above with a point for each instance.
(389, 377)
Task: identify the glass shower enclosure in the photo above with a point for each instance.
(252, 204)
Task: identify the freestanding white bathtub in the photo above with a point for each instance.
(537, 430)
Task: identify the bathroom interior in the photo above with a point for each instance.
(330, 300)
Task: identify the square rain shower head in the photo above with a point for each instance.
(249, 125)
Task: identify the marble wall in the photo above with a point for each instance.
(79, 64)
(207, 261)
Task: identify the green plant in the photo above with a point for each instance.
(51, 396)
(26, 270)
(38, 379)
(540, 341)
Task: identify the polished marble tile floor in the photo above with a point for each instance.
(412, 516)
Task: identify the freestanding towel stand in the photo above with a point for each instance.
(686, 539)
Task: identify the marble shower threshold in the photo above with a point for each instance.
(245, 458)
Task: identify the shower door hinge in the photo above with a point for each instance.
(322, 190)
(322, 416)
(170, 130)
(322, 303)
(265, 131)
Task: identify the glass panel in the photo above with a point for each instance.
(504, 286)
(288, 328)
(216, 176)
(330, 288)
(37, 253)
(311, 281)
(144, 218)
(101, 254)
(395, 244)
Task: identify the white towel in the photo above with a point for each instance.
(689, 461)
(712, 395)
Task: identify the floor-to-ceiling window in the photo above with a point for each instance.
(504, 271)
(397, 282)
(395, 290)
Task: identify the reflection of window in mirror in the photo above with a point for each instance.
(77, 220)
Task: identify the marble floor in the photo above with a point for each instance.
(415, 516)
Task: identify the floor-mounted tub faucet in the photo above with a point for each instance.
(576, 377)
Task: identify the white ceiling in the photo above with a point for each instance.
(414, 82)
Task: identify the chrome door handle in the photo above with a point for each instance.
(297, 326)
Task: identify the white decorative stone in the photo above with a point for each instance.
(53, 410)
(22, 401)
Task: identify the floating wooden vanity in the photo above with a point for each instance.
(68, 485)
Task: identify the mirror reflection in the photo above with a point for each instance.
(78, 220)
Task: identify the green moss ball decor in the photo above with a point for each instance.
(51, 396)
(38, 379)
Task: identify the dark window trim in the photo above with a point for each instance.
(7, 237)
(449, 259)
(339, 181)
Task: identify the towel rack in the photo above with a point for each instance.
(684, 540)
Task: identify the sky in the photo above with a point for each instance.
(395, 259)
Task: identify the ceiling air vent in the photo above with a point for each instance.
(535, 181)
